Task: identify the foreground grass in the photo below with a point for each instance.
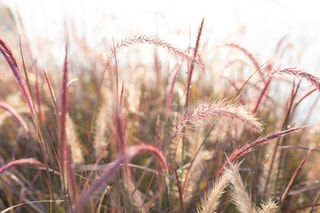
(109, 137)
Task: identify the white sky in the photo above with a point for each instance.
(100, 21)
(266, 21)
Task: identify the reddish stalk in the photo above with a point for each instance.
(314, 80)
(250, 146)
(120, 124)
(115, 165)
(53, 98)
(247, 53)
(169, 98)
(284, 126)
(30, 161)
(14, 113)
(7, 53)
(98, 160)
(301, 98)
(190, 71)
(38, 98)
(266, 86)
(293, 178)
(264, 90)
(279, 45)
(68, 167)
(179, 190)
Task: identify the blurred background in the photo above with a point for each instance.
(260, 26)
(257, 25)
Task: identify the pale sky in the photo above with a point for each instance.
(266, 21)
(102, 21)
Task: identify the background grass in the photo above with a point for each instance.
(195, 129)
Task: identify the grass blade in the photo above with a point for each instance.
(68, 167)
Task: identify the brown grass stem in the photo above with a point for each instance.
(51, 91)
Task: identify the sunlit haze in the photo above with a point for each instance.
(262, 23)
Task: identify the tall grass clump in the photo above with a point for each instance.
(99, 134)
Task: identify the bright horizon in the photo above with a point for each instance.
(265, 22)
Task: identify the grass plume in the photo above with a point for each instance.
(207, 113)
(238, 192)
(315, 81)
(147, 39)
(210, 203)
(66, 152)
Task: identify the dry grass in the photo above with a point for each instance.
(212, 200)
(130, 137)
(239, 195)
(208, 113)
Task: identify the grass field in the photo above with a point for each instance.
(189, 130)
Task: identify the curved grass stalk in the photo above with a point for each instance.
(14, 113)
(145, 39)
(250, 146)
(30, 161)
(115, 165)
(7, 53)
